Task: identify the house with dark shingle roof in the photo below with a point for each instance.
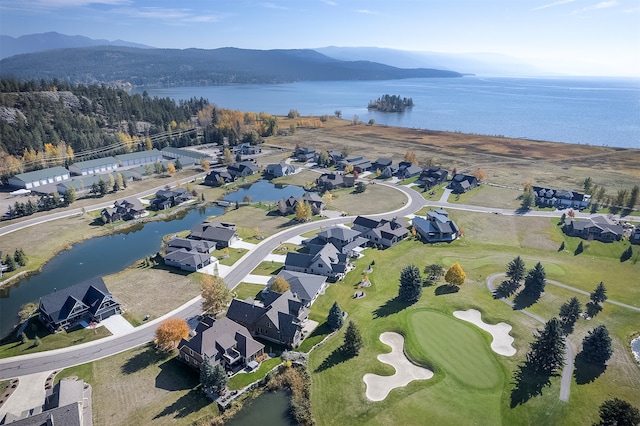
(331, 181)
(187, 260)
(381, 233)
(223, 341)
(280, 318)
(599, 228)
(218, 177)
(242, 169)
(88, 301)
(549, 197)
(166, 198)
(436, 227)
(306, 286)
(200, 246)
(305, 154)
(324, 260)
(462, 183)
(432, 176)
(222, 234)
(347, 240)
(123, 210)
(407, 170)
(281, 169)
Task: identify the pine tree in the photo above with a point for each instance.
(599, 295)
(352, 340)
(626, 255)
(547, 351)
(617, 412)
(516, 269)
(569, 314)
(410, 284)
(335, 319)
(535, 280)
(596, 345)
(10, 262)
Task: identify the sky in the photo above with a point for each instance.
(575, 37)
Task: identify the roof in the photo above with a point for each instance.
(139, 154)
(305, 286)
(184, 152)
(97, 162)
(187, 257)
(58, 305)
(366, 222)
(341, 233)
(41, 174)
(186, 243)
(214, 233)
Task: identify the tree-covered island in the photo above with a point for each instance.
(391, 103)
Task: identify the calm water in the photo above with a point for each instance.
(263, 190)
(593, 111)
(269, 409)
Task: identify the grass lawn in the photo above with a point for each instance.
(367, 202)
(241, 380)
(267, 268)
(229, 255)
(49, 341)
(489, 196)
(246, 290)
(141, 386)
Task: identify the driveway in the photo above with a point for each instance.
(29, 394)
(116, 324)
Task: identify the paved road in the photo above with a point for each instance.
(80, 354)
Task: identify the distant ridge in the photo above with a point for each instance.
(10, 46)
(198, 67)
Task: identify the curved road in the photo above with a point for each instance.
(80, 354)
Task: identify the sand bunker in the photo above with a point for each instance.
(502, 343)
(378, 387)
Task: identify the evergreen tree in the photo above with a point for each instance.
(599, 295)
(516, 269)
(535, 280)
(335, 319)
(70, 195)
(547, 351)
(579, 249)
(596, 345)
(11, 264)
(352, 340)
(20, 257)
(617, 412)
(626, 255)
(569, 314)
(410, 284)
(208, 374)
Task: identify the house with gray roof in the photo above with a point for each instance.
(324, 260)
(381, 233)
(242, 169)
(36, 178)
(407, 170)
(436, 227)
(223, 342)
(432, 176)
(306, 286)
(218, 177)
(280, 318)
(88, 301)
(462, 183)
(358, 162)
(187, 260)
(599, 228)
(123, 210)
(549, 197)
(347, 240)
(222, 234)
(331, 181)
(288, 205)
(93, 167)
(281, 169)
(305, 154)
(200, 246)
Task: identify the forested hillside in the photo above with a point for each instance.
(188, 67)
(44, 124)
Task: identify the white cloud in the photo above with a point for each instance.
(557, 3)
(601, 5)
(52, 4)
(366, 12)
(329, 2)
(270, 5)
(174, 15)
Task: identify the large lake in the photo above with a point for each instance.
(593, 111)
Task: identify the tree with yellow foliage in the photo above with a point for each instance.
(171, 169)
(410, 157)
(215, 294)
(204, 163)
(480, 174)
(303, 211)
(455, 275)
(170, 332)
(280, 285)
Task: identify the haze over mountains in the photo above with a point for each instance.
(83, 60)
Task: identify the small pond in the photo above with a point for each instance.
(635, 348)
(265, 191)
(270, 408)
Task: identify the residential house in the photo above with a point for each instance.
(36, 178)
(548, 197)
(167, 198)
(436, 227)
(407, 170)
(138, 158)
(389, 171)
(288, 205)
(93, 167)
(187, 260)
(223, 342)
(381, 164)
(306, 286)
(634, 238)
(123, 210)
(88, 301)
(335, 156)
(281, 169)
(242, 169)
(432, 176)
(331, 181)
(345, 239)
(462, 183)
(280, 318)
(305, 154)
(200, 246)
(381, 233)
(218, 177)
(324, 260)
(359, 163)
(223, 234)
(599, 228)
(68, 403)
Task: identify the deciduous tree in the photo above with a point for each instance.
(171, 169)
(280, 285)
(303, 211)
(215, 294)
(434, 271)
(170, 332)
(410, 157)
(455, 275)
(352, 340)
(410, 284)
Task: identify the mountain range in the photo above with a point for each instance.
(83, 60)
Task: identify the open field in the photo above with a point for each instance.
(507, 161)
